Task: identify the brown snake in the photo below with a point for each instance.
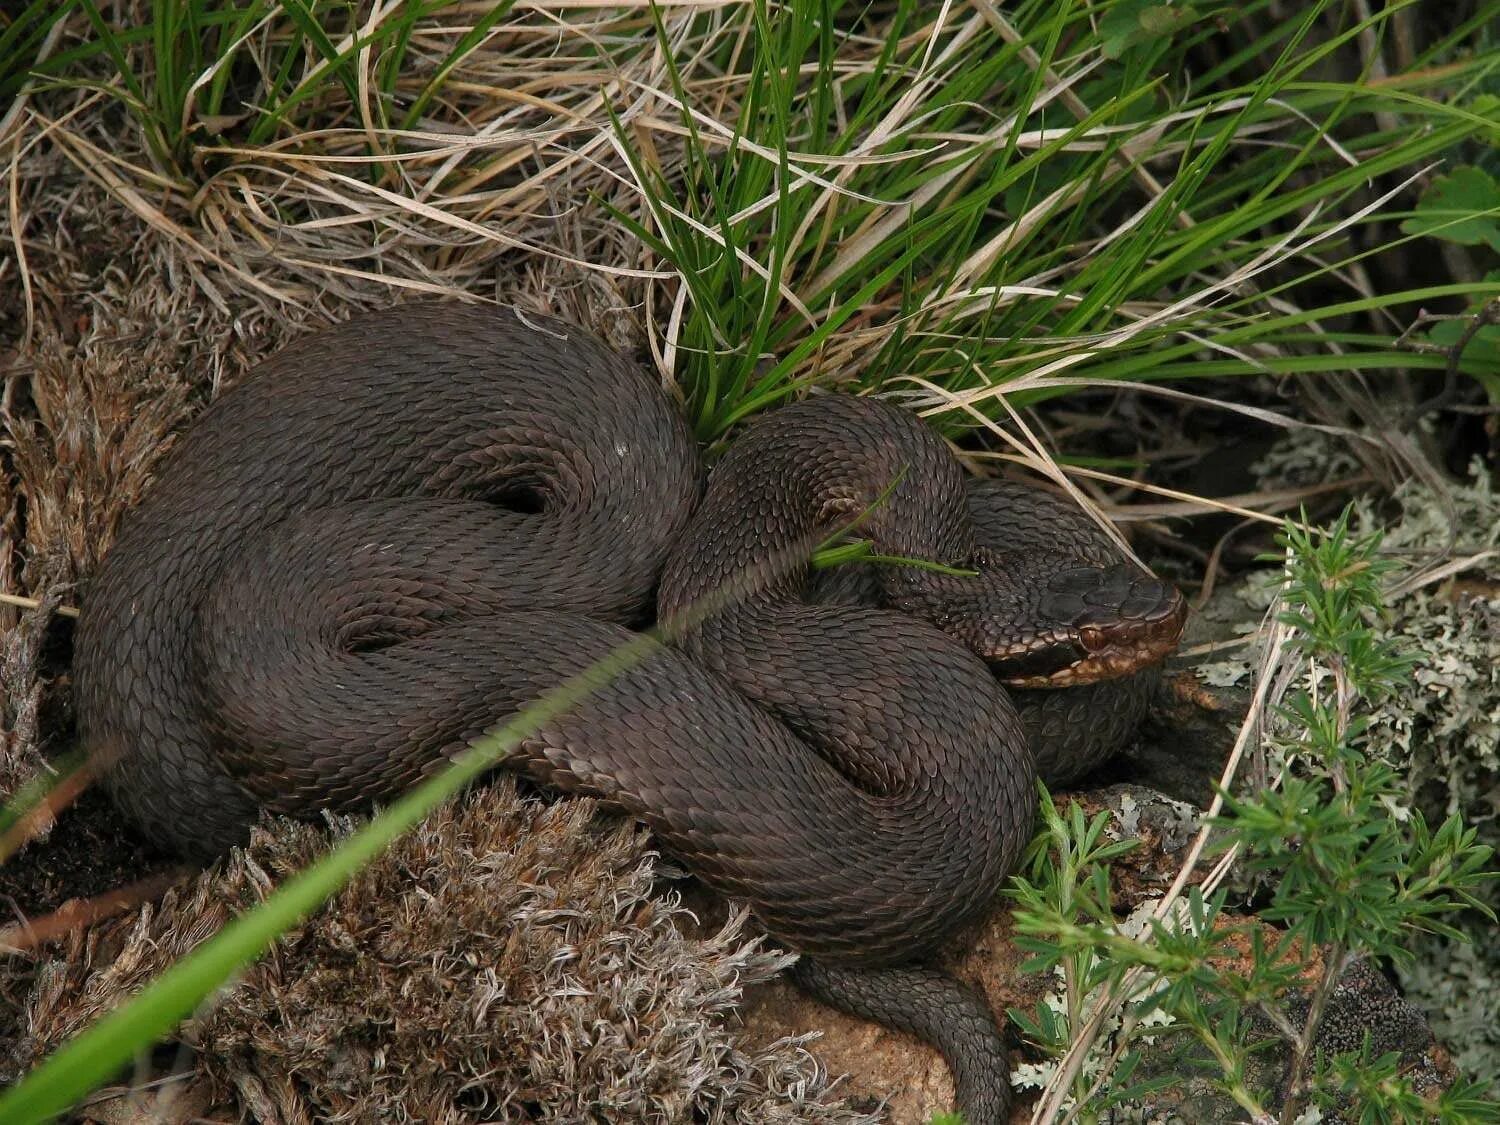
(398, 532)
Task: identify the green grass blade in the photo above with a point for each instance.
(466, 44)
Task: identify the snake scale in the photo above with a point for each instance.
(399, 531)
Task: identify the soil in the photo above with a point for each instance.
(91, 849)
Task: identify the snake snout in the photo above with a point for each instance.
(1116, 620)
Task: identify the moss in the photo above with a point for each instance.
(506, 961)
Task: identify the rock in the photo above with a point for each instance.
(1364, 1002)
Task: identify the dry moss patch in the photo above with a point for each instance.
(507, 961)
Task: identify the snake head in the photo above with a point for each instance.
(1091, 624)
(1040, 627)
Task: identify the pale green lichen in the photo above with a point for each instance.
(1445, 726)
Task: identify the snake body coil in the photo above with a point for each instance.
(402, 530)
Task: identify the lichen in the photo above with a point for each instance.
(1440, 730)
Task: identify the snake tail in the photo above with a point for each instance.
(937, 1008)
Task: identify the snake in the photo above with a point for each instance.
(397, 532)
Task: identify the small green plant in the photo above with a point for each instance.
(1342, 871)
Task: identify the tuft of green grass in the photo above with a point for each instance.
(977, 207)
(253, 71)
(991, 203)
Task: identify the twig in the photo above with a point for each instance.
(32, 603)
(1334, 964)
(1488, 314)
(77, 913)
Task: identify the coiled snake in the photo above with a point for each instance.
(399, 531)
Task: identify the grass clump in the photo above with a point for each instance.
(1340, 870)
(970, 211)
(974, 207)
